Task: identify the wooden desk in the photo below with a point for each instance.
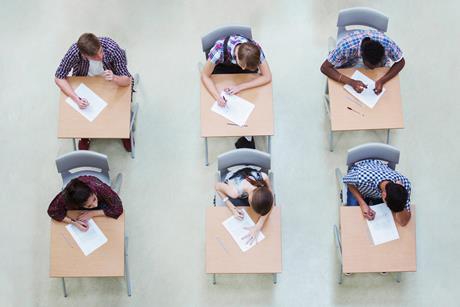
(109, 260)
(359, 254)
(112, 122)
(387, 113)
(265, 257)
(260, 122)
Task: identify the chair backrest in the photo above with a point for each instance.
(210, 39)
(377, 151)
(360, 16)
(83, 163)
(243, 156)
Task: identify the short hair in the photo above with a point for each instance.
(76, 193)
(249, 55)
(88, 44)
(372, 51)
(396, 196)
(262, 200)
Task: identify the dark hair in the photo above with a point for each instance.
(372, 51)
(88, 44)
(76, 193)
(262, 197)
(249, 55)
(396, 196)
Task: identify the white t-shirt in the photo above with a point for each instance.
(95, 68)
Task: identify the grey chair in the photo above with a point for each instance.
(355, 16)
(208, 41)
(86, 163)
(242, 156)
(378, 151)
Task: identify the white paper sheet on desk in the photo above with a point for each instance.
(382, 228)
(237, 109)
(96, 103)
(367, 96)
(89, 240)
(237, 230)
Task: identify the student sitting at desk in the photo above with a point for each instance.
(233, 54)
(373, 182)
(93, 56)
(247, 187)
(374, 48)
(85, 193)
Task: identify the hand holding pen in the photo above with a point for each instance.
(222, 101)
(357, 85)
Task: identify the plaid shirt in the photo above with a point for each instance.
(216, 54)
(348, 49)
(366, 175)
(114, 59)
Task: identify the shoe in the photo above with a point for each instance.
(127, 144)
(242, 142)
(347, 274)
(383, 273)
(83, 144)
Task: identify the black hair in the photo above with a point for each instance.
(396, 196)
(76, 193)
(372, 51)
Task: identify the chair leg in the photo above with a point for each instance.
(398, 277)
(331, 141)
(214, 281)
(275, 278)
(206, 161)
(388, 136)
(64, 289)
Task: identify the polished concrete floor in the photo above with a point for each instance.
(167, 187)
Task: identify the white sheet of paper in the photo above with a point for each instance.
(237, 230)
(367, 96)
(237, 109)
(96, 103)
(90, 240)
(382, 228)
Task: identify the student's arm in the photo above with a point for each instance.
(65, 87)
(82, 225)
(209, 84)
(368, 213)
(118, 80)
(329, 70)
(394, 70)
(89, 214)
(403, 217)
(225, 191)
(265, 76)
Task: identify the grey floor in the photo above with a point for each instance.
(167, 187)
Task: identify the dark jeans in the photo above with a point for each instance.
(352, 201)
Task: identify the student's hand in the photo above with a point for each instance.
(108, 75)
(253, 233)
(378, 87)
(368, 213)
(233, 90)
(81, 102)
(357, 85)
(222, 102)
(85, 216)
(83, 226)
(238, 213)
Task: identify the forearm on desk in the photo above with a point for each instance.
(394, 70)
(122, 80)
(65, 87)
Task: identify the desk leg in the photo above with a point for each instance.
(74, 141)
(206, 161)
(340, 279)
(275, 278)
(398, 277)
(269, 144)
(63, 287)
(127, 277)
(214, 279)
(388, 136)
(331, 140)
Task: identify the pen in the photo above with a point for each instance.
(232, 124)
(355, 111)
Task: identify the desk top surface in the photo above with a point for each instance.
(260, 122)
(361, 255)
(386, 114)
(265, 257)
(112, 122)
(67, 259)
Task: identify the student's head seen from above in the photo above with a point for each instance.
(248, 56)
(372, 53)
(261, 198)
(395, 196)
(90, 47)
(78, 195)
